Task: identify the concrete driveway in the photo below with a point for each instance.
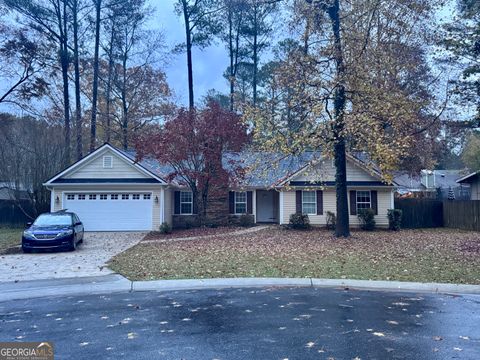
(88, 260)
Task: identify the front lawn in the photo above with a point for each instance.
(9, 238)
(429, 255)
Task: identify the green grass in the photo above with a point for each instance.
(436, 255)
(10, 237)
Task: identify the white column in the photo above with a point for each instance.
(281, 207)
(392, 199)
(162, 205)
(254, 205)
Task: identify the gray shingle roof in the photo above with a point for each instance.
(263, 169)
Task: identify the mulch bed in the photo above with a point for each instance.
(194, 232)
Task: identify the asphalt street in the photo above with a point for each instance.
(250, 323)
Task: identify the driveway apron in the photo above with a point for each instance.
(88, 260)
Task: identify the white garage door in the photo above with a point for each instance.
(111, 211)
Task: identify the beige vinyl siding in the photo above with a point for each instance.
(154, 190)
(329, 204)
(94, 169)
(56, 205)
(324, 171)
(156, 220)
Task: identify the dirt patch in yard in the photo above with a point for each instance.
(431, 255)
(194, 232)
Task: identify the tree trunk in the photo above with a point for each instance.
(78, 111)
(108, 130)
(231, 78)
(342, 225)
(64, 62)
(124, 107)
(188, 35)
(93, 121)
(255, 59)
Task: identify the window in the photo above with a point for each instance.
(103, 196)
(81, 196)
(309, 202)
(114, 197)
(71, 197)
(92, 197)
(240, 202)
(136, 196)
(363, 200)
(125, 196)
(107, 162)
(186, 202)
(146, 196)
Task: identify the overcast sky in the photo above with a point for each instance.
(208, 64)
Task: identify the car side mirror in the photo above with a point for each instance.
(78, 223)
(29, 224)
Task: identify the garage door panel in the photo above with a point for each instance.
(112, 215)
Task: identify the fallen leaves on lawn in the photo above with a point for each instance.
(428, 255)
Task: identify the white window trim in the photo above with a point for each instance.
(363, 202)
(235, 202)
(315, 197)
(186, 202)
(107, 158)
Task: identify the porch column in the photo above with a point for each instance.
(280, 221)
(162, 205)
(254, 205)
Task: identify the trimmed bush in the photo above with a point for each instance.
(165, 228)
(394, 219)
(246, 220)
(367, 219)
(331, 220)
(299, 221)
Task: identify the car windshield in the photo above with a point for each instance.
(52, 220)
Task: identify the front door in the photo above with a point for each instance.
(267, 206)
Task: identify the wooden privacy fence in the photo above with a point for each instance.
(420, 213)
(11, 215)
(462, 214)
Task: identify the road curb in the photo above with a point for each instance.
(64, 287)
(161, 285)
(115, 283)
(217, 283)
(398, 286)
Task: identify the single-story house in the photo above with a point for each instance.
(110, 191)
(473, 180)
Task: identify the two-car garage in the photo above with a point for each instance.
(110, 190)
(111, 211)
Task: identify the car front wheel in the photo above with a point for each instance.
(73, 245)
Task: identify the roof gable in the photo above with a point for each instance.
(91, 168)
(469, 178)
(322, 170)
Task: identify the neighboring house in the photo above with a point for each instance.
(473, 180)
(8, 192)
(434, 184)
(110, 191)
